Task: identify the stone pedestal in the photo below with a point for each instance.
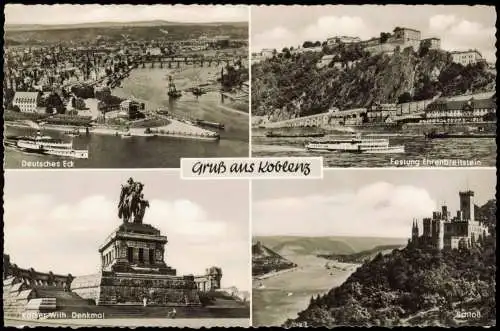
(133, 268)
(135, 248)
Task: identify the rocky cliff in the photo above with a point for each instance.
(265, 260)
(293, 85)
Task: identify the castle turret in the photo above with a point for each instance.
(440, 243)
(467, 205)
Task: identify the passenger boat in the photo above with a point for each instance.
(49, 146)
(355, 144)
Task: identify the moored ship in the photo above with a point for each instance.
(294, 135)
(443, 135)
(172, 90)
(355, 144)
(215, 125)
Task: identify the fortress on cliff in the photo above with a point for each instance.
(443, 231)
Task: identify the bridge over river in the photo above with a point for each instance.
(176, 61)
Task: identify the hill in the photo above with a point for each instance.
(138, 31)
(325, 245)
(34, 27)
(415, 286)
(265, 260)
(412, 287)
(360, 257)
(291, 85)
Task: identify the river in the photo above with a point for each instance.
(283, 296)
(149, 85)
(481, 151)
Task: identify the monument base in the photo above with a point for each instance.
(134, 272)
(111, 288)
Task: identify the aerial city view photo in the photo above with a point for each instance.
(375, 86)
(413, 247)
(94, 86)
(124, 251)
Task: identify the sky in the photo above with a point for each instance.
(459, 27)
(72, 14)
(56, 220)
(362, 203)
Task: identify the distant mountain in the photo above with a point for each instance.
(265, 260)
(363, 256)
(114, 31)
(34, 27)
(325, 245)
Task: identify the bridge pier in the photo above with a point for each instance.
(152, 64)
(178, 64)
(161, 64)
(169, 64)
(143, 65)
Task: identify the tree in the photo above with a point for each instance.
(16, 108)
(54, 104)
(405, 97)
(384, 36)
(308, 44)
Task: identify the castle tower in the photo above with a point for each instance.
(467, 205)
(445, 213)
(440, 243)
(427, 227)
(214, 275)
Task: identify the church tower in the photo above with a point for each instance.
(414, 232)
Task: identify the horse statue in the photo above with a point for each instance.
(132, 204)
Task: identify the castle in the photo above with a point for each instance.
(445, 232)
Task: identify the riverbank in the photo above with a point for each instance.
(175, 129)
(273, 274)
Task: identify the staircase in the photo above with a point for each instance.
(15, 298)
(66, 301)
